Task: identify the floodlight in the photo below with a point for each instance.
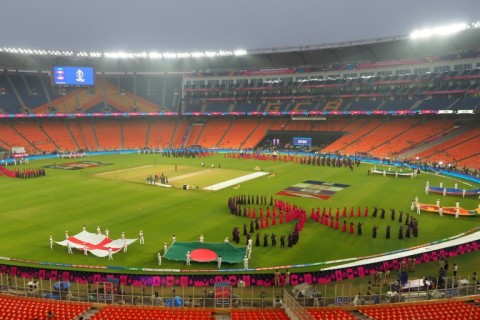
(198, 54)
(169, 55)
(154, 55)
(240, 52)
(438, 31)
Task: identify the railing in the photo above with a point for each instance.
(294, 310)
(380, 292)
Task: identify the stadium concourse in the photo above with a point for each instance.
(389, 101)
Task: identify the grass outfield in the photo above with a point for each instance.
(116, 196)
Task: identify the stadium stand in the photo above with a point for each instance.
(134, 133)
(345, 125)
(422, 131)
(35, 135)
(77, 133)
(252, 314)
(18, 308)
(434, 311)
(29, 89)
(464, 145)
(328, 313)
(347, 143)
(238, 133)
(180, 133)
(147, 313)
(9, 102)
(299, 126)
(108, 134)
(60, 135)
(381, 142)
(160, 133)
(12, 138)
(245, 107)
(213, 131)
(193, 133)
(259, 133)
(88, 132)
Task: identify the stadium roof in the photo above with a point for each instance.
(373, 50)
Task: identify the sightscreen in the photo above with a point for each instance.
(73, 76)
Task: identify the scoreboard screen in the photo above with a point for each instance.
(298, 141)
(73, 76)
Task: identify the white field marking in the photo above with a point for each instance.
(123, 170)
(451, 178)
(232, 182)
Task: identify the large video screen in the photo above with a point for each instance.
(300, 141)
(73, 76)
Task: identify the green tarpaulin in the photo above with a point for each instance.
(206, 252)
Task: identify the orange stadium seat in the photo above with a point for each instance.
(238, 133)
(212, 132)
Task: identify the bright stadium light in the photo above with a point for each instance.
(95, 54)
(169, 55)
(128, 55)
(154, 55)
(198, 54)
(240, 52)
(439, 31)
(183, 55)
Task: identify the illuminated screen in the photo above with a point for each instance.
(73, 76)
(297, 141)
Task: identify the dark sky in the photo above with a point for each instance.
(189, 25)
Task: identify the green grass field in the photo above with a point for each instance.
(116, 196)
